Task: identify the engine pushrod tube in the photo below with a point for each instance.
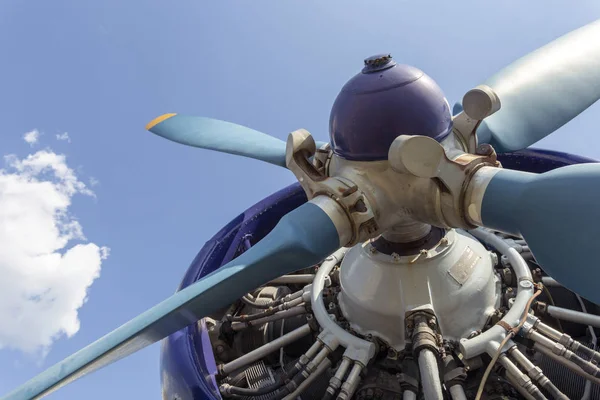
(550, 282)
(252, 301)
(569, 364)
(536, 374)
(311, 378)
(574, 316)
(561, 350)
(336, 381)
(292, 312)
(265, 350)
(514, 381)
(291, 279)
(430, 375)
(409, 395)
(547, 329)
(567, 341)
(522, 380)
(351, 383)
(457, 392)
(593, 356)
(270, 311)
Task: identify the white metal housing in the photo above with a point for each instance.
(455, 280)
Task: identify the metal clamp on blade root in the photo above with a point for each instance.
(424, 157)
(478, 104)
(300, 148)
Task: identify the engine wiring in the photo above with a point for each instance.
(319, 307)
(510, 333)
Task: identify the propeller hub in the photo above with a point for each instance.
(386, 100)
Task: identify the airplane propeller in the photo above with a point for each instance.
(543, 90)
(553, 211)
(557, 214)
(223, 136)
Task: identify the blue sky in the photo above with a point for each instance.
(101, 70)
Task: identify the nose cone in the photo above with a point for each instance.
(382, 102)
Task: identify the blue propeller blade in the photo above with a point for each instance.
(302, 238)
(544, 90)
(558, 214)
(226, 137)
(214, 134)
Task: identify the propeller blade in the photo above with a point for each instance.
(544, 90)
(214, 134)
(223, 136)
(301, 238)
(457, 109)
(558, 214)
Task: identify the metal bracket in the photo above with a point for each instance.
(422, 328)
(322, 159)
(300, 147)
(424, 157)
(478, 104)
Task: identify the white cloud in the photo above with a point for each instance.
(94, 181)
(43, 281)
(32, 137)
(63, 136)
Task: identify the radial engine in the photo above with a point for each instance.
(423, 309)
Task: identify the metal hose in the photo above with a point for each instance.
(485, 342)
(265, 350)
(430, 375)
(457, 392)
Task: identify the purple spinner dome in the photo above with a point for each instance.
(386, 100)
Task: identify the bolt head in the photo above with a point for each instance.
(526, 284)
(485, 149)
(494, 258)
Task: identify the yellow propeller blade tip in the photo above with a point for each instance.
(158, 120)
